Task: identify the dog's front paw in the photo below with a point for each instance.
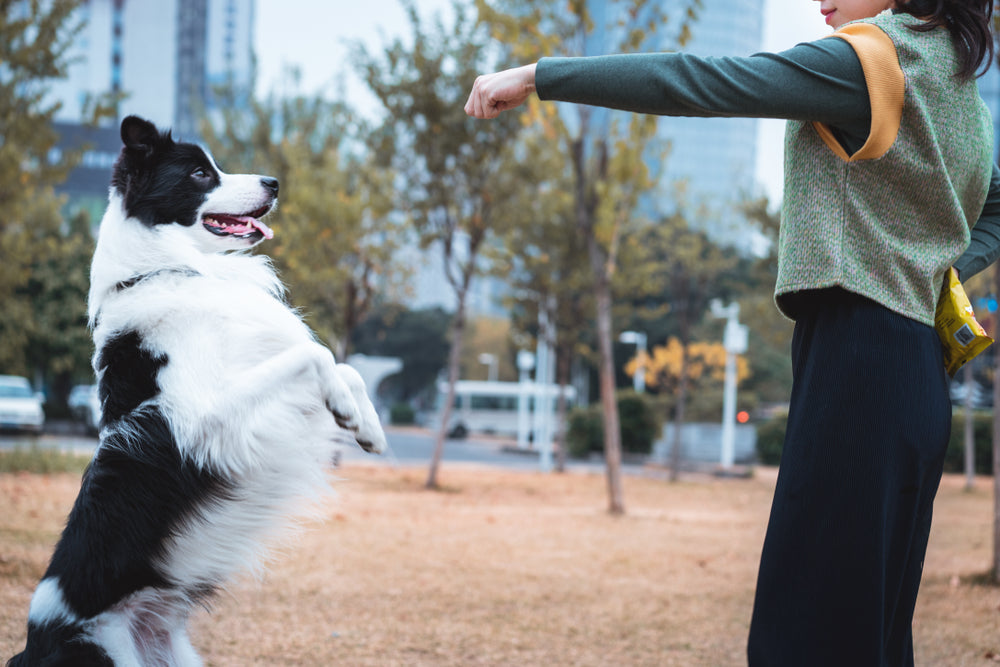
(370, 436)
(364, 422)
(367, 428)
(346, 420)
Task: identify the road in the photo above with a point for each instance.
(407, 447)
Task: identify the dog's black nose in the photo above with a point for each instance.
(270, 183)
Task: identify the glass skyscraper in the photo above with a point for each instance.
(714, 157)
(717, 155)
(165, 56)
(989, 88)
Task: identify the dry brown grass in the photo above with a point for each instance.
(505, 568)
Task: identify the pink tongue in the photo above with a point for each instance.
(256, 224)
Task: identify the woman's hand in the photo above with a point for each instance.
(493, 93)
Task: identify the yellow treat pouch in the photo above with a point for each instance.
(961, 335)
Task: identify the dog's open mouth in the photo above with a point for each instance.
(243, 226)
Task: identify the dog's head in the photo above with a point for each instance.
(166, 182)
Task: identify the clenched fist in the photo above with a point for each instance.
(493, 93)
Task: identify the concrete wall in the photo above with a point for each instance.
(702, 443)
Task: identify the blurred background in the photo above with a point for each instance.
(486, 273)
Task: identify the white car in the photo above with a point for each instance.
(20, 407)
(85, 405)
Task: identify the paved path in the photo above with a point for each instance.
(408, 446)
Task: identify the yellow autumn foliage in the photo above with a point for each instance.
(705, 361)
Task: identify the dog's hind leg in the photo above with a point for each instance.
(369, 434)
(183, 653)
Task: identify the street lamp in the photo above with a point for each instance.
(525, 364)
(491, 361)
(637, 338)
(734, 339)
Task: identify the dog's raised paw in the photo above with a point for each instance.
(344, 420)
(371, 447)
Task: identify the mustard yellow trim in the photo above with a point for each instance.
(886, 85)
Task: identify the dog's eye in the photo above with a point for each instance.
(200, 173)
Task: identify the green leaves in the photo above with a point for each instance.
(44, 260)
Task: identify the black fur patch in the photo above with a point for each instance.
(59, 645)
(128, 375)
(135, 495)
(161, 181)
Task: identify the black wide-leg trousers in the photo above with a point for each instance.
(868, 426)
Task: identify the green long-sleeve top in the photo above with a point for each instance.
(816, 81)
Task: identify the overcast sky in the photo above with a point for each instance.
(311, 35)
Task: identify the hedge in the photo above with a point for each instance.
(771, 436)
(401, 413)
(637, 421)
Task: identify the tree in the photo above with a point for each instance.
(669, 366)
(43, 259)
(607, 161)
(692, 366)
(488, 336)
(336, 235)
(690, 265)
(752, 283)
(59, 340)
(542, 262)
(452, 165)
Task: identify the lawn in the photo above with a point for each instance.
(514, 568)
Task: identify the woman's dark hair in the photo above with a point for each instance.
(968, 21)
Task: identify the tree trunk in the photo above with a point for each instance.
(969, 434)
(612, 430)
(682, 391)
(454, 356)
(562, 379)
(586, 200)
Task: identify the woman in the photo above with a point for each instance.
(887, 166)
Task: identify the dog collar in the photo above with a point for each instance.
(135, 280)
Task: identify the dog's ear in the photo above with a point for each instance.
(139, 135)
(141, 139)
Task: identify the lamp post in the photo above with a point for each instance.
(491, 361)
(734, 339)
(637, 338)
(544, 376)
(525, 364)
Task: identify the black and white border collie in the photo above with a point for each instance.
(221, 412)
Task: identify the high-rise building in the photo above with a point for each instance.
(166, 58)
(989, 88)
(714, 157)
(717, 155)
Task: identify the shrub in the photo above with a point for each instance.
(402, 413)
(637, 421)
(584, 431)
(771, 438)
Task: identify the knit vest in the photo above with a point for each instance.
(888, 221)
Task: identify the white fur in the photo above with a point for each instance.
(247, 391)
(48, 604)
